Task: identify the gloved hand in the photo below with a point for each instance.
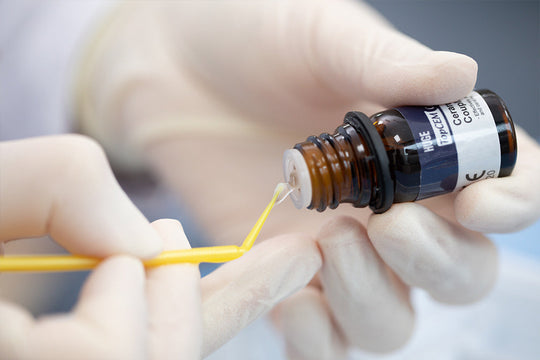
(208, 95)
(362, 298)
(63, 186)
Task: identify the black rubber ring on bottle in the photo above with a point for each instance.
(384, 197)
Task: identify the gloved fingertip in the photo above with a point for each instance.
(172, 234)
(148, 247)
(452, 76)
(301, 249)
(438, 77)
(334, 230)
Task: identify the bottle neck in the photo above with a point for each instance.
(346, 167)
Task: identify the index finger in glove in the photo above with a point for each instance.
(505, 204)
(242, 290)
(63, 186)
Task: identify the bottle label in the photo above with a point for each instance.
(458, 144)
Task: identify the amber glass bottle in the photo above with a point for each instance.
(403, 154)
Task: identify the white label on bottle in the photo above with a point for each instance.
(457, 143)
(476, 139)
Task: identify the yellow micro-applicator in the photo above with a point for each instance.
(213, 254)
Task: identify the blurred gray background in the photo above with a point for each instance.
(502, 36)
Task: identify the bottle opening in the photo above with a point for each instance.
(296, 175)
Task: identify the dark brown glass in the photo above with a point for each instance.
(341, 168)
(347, 168)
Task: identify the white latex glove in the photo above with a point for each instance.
(210, 94)
(63, 186)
